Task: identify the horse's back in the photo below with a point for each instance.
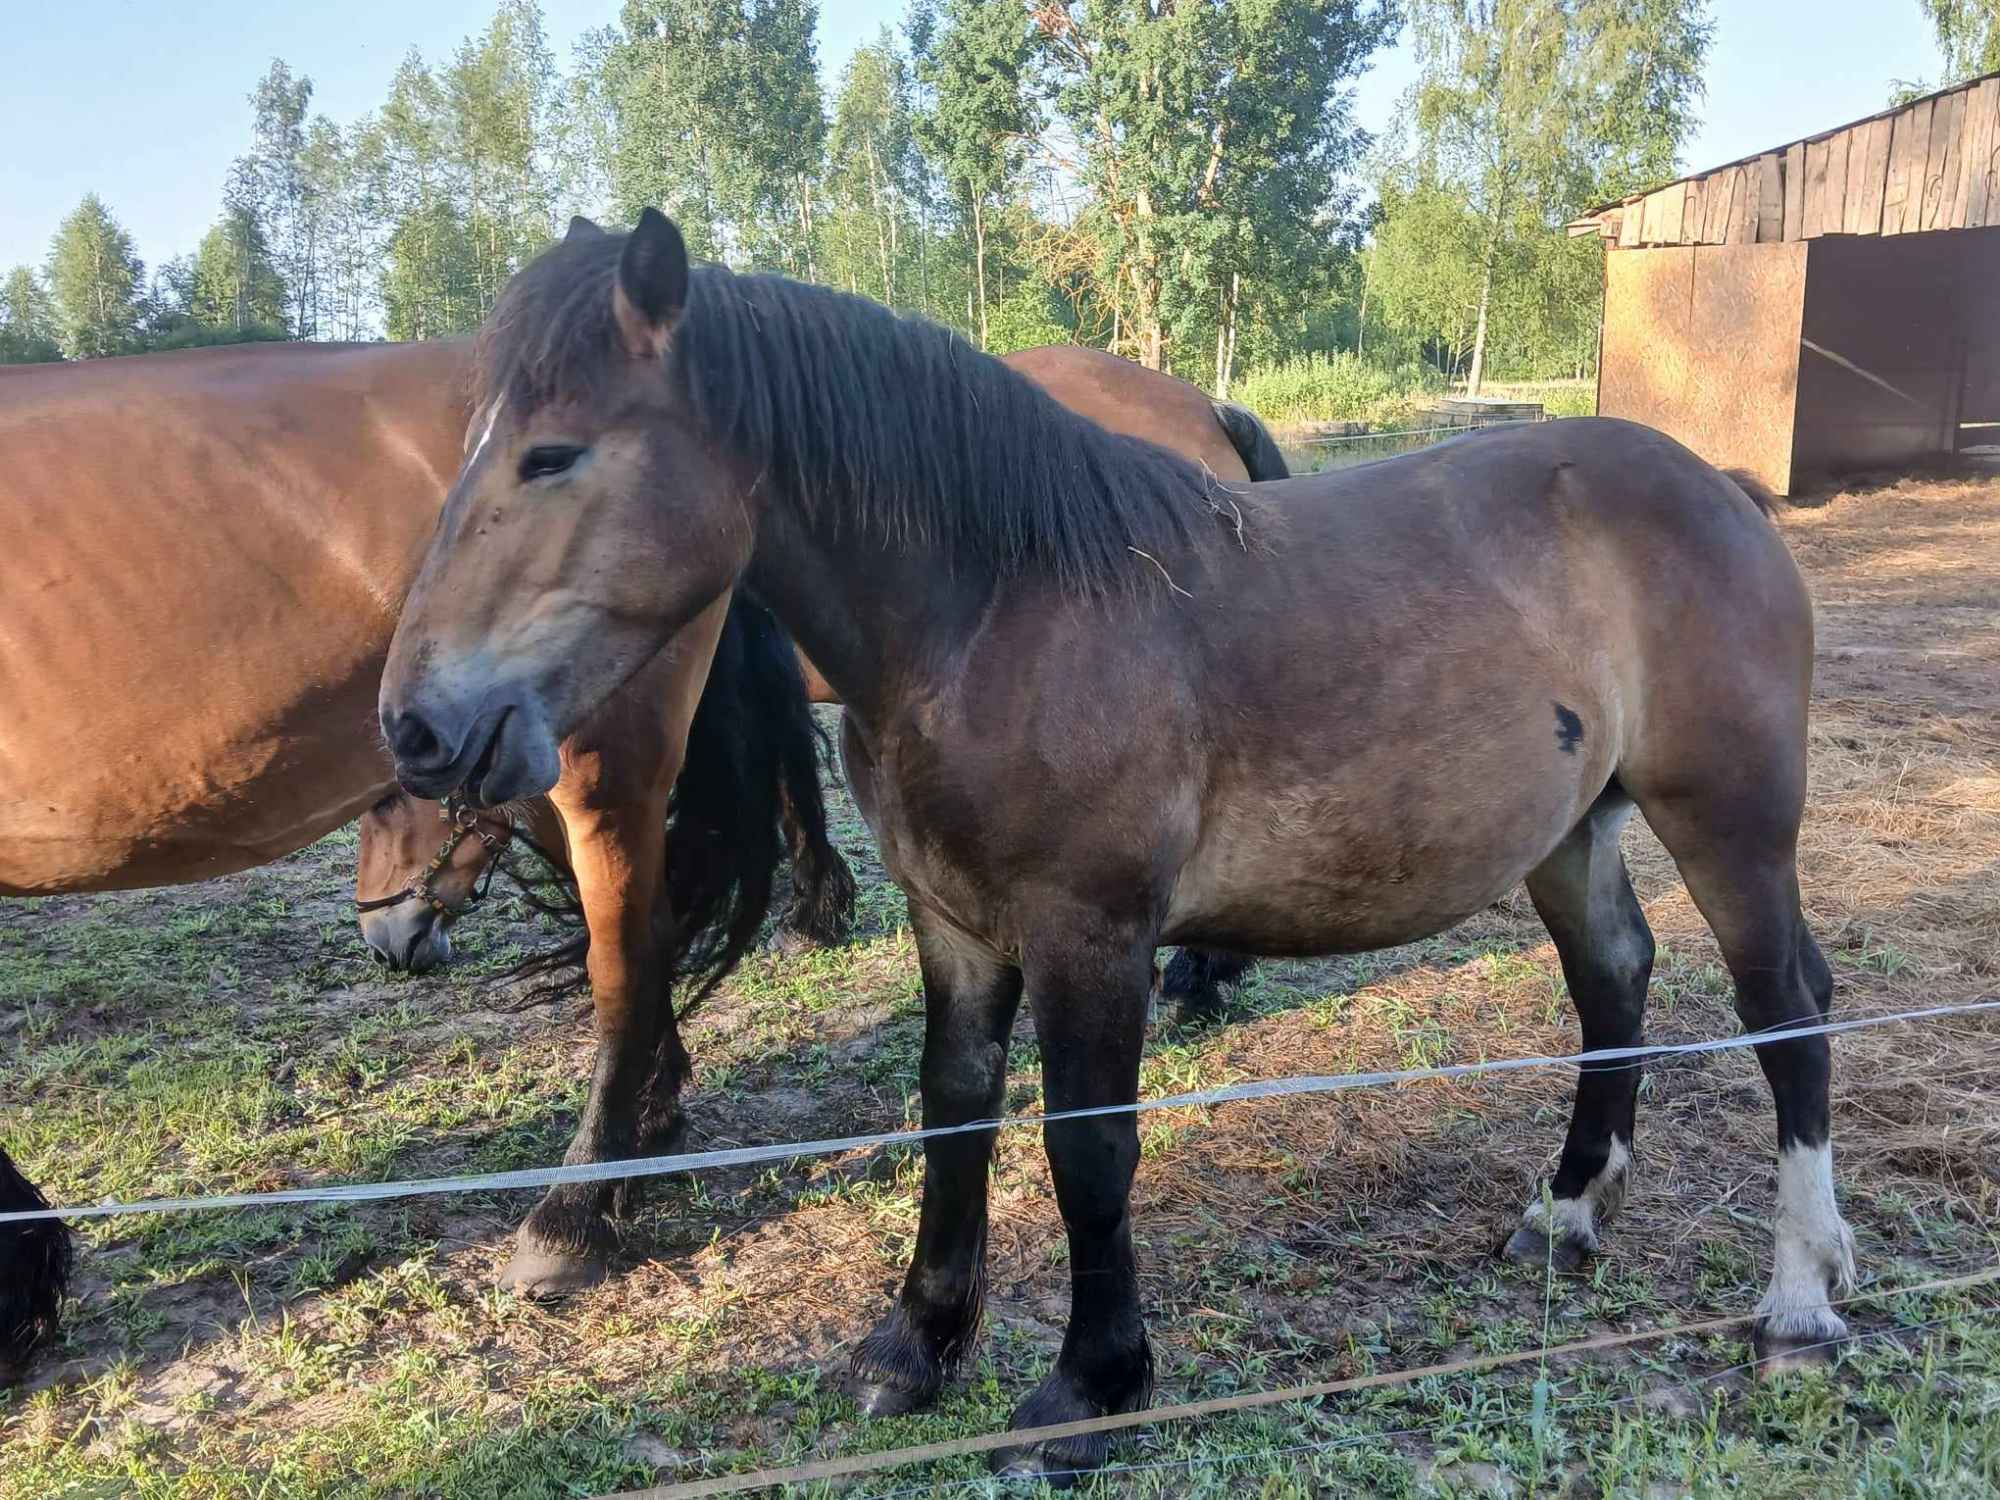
(206, 555)
(1438, 663)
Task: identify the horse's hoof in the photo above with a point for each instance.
(790, 942)
(546, 1275)
(1059, 1465)
(1786, 1346)
(879, 1398)
(1201, 1007)
(1060, 1462)
(892, 1371)
(1532, 1246)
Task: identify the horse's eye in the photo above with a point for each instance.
(549, 460)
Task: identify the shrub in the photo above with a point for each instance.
(1333, 388)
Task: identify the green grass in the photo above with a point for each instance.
(237, 1038)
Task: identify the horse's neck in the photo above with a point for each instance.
(877, 622)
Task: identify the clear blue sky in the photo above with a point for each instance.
(142, 101)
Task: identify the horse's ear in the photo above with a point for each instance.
(581, 228)
(652, 285)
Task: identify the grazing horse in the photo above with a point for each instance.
(1096, 703)
(420, 867)
(205, 556)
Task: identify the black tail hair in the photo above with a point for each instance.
(748, 791)
(752, 768)
(1252, 441)
(1761, 494)
(35, 1262)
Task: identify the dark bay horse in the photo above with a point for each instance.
(1096, 702)
(205, 556)
(419, 867)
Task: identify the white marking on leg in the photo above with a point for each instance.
(1576, 1220)
(1813, 1258)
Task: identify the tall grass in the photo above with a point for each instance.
(1333, 388)
(1559, 398)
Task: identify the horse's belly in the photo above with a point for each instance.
(1341, 868)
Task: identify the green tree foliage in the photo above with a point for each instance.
(718, 120)
(872, 169)
(430, 283)
(973, 57)
(1213, 138)
(1968, 33)
(95, 276)
(28, 326)
(1177, 179)
(234, 284)
(429, 277)
(272, 191)
(498, 98)
(1526, 112)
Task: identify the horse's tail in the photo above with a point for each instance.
(35, 1261)
(1759, 493)
(752, 766)
(1252, 441)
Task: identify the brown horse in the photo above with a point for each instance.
(420, 868)
(195, 612)
(1095, 702)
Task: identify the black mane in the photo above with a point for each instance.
(889, 420)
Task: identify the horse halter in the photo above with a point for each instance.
(464, 821)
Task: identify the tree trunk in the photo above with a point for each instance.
(1479, 333)
(1361, 322)
(979, 262)
(806, 225)
(1229, 350)
(881, 228)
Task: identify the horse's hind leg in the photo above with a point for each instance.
(1736, 852)
(35, 1259)
(1195, 977)
(1585, 899)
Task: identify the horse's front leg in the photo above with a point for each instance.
(970, 997)
(1089, 1003)
(618, 852)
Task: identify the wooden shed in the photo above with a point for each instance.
(1828, 305)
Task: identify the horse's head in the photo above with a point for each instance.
(422, 864)
(592, 518)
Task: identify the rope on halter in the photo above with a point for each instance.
(464, 821)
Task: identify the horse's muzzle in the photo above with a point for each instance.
(407, 939)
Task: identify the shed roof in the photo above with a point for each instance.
(1932, 164)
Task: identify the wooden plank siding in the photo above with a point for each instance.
(1946, 165)
(1982, 170)
(1743, 207)
(1909, 217)
(1931, 166)
(1874, 178)
(1795, 193)
(1833, 209)
(1770, 199)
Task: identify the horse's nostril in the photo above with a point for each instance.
(413, 740)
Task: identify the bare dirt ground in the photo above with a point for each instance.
(233, 1036)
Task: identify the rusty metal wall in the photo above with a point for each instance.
(1901, 343)
(1702, 342)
